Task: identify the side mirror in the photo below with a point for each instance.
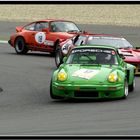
(84, 32)
(137, 47)
(122, 56)
(45, 30)
(64, 59)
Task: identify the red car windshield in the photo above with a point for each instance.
(111, 41)
(63, 26)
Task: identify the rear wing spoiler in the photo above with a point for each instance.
(19, 28)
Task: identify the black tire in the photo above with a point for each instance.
(58, 56)
(52, 54)
(126, 90)
(51, 93)
(20, 46)
(132, 86)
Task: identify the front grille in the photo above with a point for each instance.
(86, 94)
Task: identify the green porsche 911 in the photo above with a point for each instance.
(92, 72)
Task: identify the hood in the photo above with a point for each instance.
(79, 74)
(63, 35)
(131, 55)
(65, 41)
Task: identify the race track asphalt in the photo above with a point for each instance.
(27, 109)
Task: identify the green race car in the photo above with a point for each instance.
(92, 72)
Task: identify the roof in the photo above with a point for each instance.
(49, 20)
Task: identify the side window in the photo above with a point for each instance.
(40, 25)
(30, 27)
(45, 24)
(53, 27)
(56, 27)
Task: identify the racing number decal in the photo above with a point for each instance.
(40, 37)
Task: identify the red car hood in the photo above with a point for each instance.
(131, 55)
(65, 35)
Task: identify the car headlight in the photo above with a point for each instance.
(65, 48)
(61, 76)
(112, 77)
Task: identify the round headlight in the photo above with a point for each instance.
(65, 48)
(62, 76)
(112, 77)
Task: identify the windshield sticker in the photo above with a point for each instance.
(40, 37)
(85, 73)
(105, 37)
(91, 50)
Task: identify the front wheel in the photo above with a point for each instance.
(20, 46)
(125, 90)
(58, 56)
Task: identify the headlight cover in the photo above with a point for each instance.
(66, 47)
(61, 76)
(112, 77)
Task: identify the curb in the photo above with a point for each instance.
(3, 41)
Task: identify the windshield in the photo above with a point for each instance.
(111, 41)
(92, 56)
(80, 40)
(60, 26)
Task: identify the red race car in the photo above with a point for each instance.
(130, 53)
(43, 35)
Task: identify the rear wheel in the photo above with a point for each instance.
(132, 86)
(20, 46)
(58, 56)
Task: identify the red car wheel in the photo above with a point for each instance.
(20, 46)
(58, 56)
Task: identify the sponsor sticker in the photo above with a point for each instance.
(49, 42)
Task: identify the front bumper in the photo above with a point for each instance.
(9, 41)
(88, 91)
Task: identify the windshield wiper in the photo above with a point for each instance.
(88, 57)
(94, 64)
(73, 31)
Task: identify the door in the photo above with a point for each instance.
(34, 35)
